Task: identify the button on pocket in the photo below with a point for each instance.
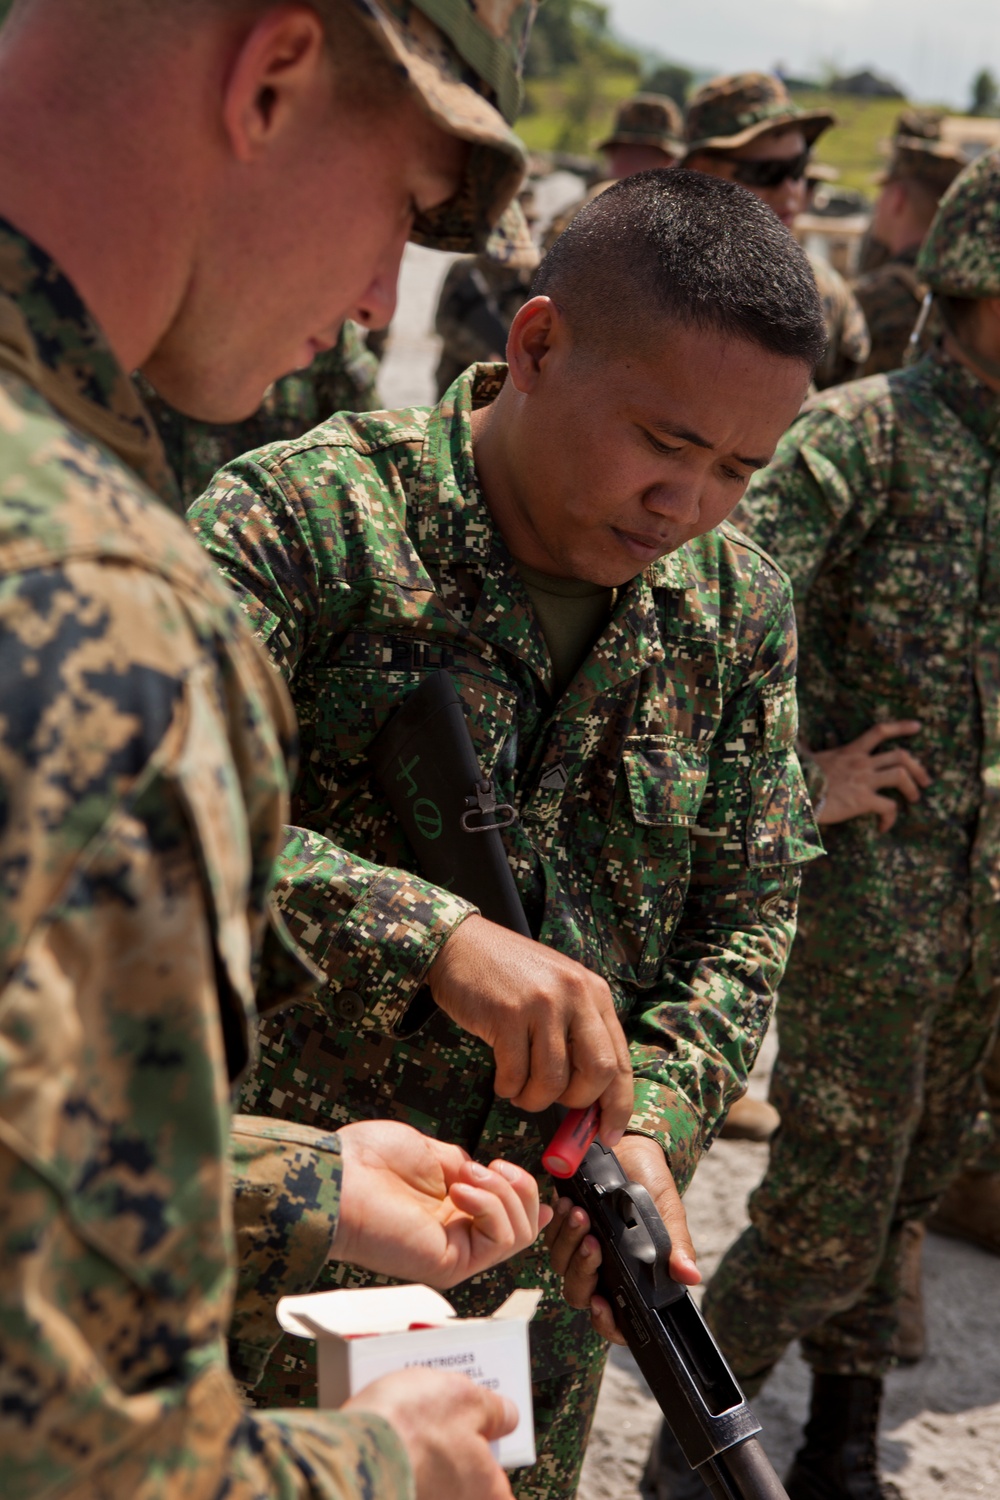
(349, 1005)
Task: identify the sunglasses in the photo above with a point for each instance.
(769, 173)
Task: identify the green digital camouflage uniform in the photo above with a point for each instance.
(662, 813)
(883, 503)
(142, 772)
(340, 379)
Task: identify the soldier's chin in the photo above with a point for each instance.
(206, 397)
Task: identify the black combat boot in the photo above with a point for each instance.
(839, 1458)
(668, 1475)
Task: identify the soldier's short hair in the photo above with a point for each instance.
(693, 249)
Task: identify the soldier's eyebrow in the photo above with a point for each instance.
(687, 436)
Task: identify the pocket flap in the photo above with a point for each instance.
(666, 777)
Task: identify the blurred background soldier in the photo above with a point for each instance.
(745, 127)
(339, 379)
(647, 133)
(482, 293)
(921, 168)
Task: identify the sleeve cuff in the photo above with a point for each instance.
(375, 953)
(345, 1455)
(668, 1117)
(286, 1181)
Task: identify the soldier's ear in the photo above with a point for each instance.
(536, 331)
(281, 62)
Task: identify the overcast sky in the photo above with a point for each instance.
(932, 48)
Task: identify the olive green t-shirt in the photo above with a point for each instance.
(572, 614)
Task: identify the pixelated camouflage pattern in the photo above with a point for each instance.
(961, 254)
(662, 812)
(880, 1100)
(891, 297)
(735, 108)
(142, 746)
(883, 503)
(647, 120)
(479, 300)
(849, 344)
(464, 59)
(339, 379)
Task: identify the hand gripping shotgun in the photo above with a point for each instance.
(425, 762)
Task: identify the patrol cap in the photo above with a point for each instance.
(464, 59)
(647, 120)
(961, 255)
(730, 111)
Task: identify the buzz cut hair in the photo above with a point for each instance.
(686, 248)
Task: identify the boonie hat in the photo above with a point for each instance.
(464, 59)
(511, 242)
(732, 110)
(647, 120)
(961, 255)
(921, 159)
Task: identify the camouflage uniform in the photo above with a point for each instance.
(661, 804)
(728, 113)
(144, 789)
(341, 379)
(883, 502)
(144, 792)
(891, 294)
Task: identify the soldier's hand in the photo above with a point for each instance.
(420, 1209)
(446, 1423)
(859, 775)
(576, 1255)
(550, 1022)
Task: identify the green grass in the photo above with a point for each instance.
(572, 111)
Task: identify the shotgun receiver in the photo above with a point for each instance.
(425, 762)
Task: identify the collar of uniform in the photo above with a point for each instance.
(456, 530)
(972, 401)
(52, 340)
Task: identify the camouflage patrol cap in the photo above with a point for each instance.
(961, 254)
(647, 120)
(464, 59)
(735, 109)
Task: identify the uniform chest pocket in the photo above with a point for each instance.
(666, 779)
(645, 862)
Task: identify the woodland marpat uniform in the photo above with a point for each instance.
(662, 812)
(883, 504)
(142, 747)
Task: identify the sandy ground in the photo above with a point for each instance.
(941, 1430)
